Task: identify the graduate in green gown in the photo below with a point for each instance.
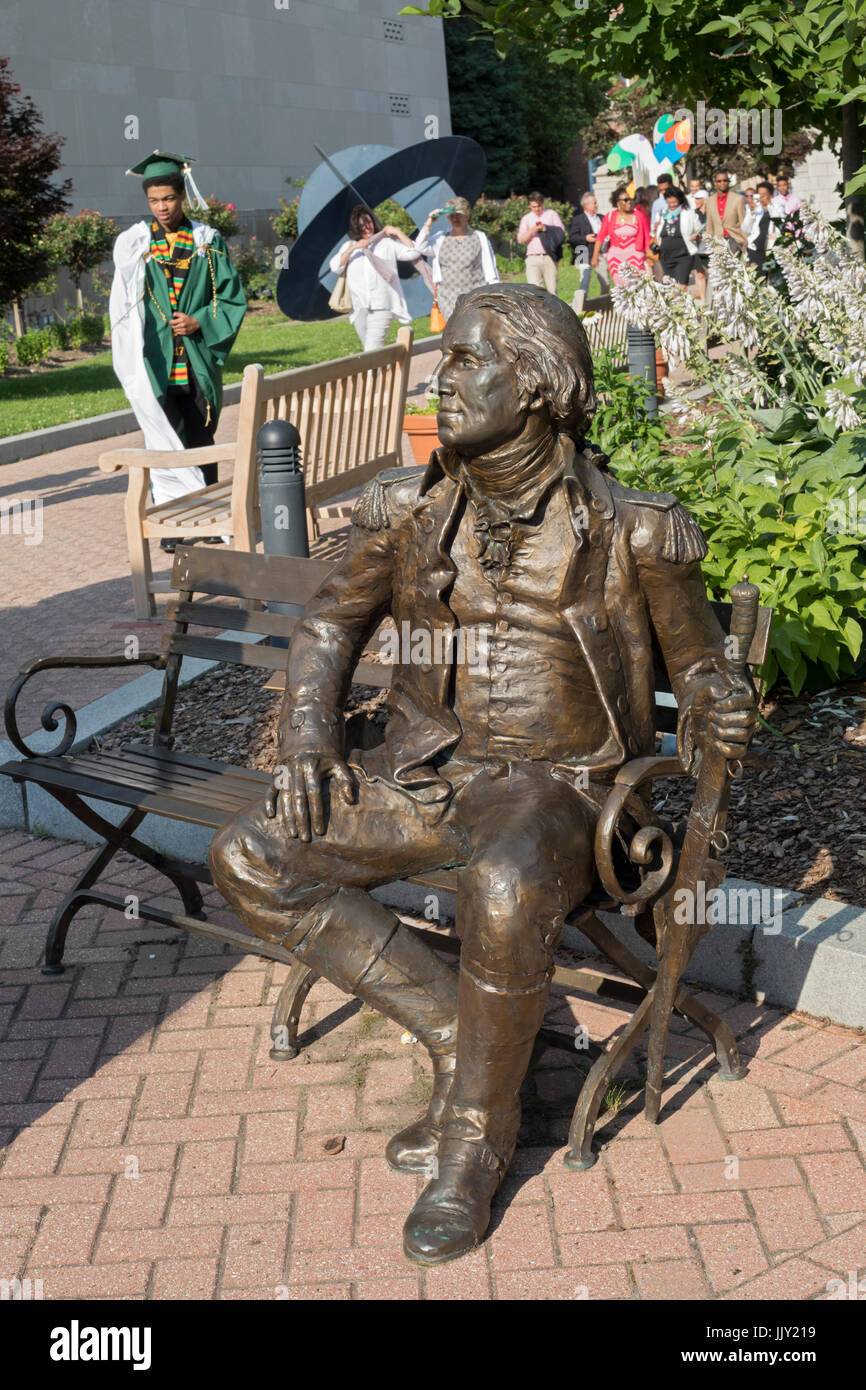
(177, 304)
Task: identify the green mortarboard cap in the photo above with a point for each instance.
(160, 165)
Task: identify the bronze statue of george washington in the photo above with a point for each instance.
(513, 535)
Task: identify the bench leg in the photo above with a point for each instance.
(287, 1012)
(724, 1043)
(117, 837)
(78, 897)
(592, 1093)
(594, 1089)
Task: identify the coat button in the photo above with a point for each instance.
(622, 704)
(427, 523)
(599, 621)
(590, 580)
(426, 668)
(613, 661)
(632, 744)
(297, 718)
(506, 597)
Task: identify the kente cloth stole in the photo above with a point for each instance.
(175, 262)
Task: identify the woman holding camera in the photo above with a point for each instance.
(369, 260)
(462, 258)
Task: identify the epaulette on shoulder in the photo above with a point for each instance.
(683, 541)
(371, 508)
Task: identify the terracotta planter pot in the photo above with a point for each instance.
(421, 430)
(661, 364)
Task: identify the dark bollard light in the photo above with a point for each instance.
(282, 501)
(642, 363)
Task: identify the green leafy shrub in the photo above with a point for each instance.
(79, 243)
(85, 330)
(285, 222)
(391, 213)
(56, 336)
(4, 358)
(791, 515)
(257, 269)
(221, 216)
(32, 348)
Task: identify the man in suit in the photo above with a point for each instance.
(759, 227)
(726, 212)
(512, 535)
(582, 235)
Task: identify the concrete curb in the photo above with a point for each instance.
(16, 447)
(787, 952)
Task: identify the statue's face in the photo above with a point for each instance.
(480, 401)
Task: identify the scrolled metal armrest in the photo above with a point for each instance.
(49, 714)
(650, 837)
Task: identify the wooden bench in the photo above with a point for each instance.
(215, 591)
(349, 413)
(604, 327)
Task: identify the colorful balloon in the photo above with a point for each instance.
(671, 139)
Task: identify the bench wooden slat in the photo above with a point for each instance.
(236, 653)
(214, 791)
(69, 775)
(221, 616)
(240, 574)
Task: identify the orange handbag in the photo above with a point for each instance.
(437, 318)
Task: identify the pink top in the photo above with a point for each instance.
(628, 241)
(528, 223)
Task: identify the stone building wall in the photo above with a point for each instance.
(245, 86)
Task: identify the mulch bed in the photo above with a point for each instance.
(798, 815)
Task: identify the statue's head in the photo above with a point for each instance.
(511, 352)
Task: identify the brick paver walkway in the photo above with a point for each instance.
(152, 1148)
(71, 593)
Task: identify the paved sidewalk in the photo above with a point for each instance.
(153, 1150)
(72, 593)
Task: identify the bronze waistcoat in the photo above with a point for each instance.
(522, 687)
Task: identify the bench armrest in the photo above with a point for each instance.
(48, 718)
(116, 459)
(651, 837)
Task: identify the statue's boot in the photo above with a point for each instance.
(498, 1027)
(361, 947)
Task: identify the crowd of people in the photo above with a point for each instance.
(664, 229)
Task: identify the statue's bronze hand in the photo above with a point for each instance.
(732, 715)
(296, 794)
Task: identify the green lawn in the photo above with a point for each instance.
(62, 394)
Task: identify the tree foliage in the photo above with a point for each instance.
(486, 98)
(29, 195)
(79, 243)
(630, 110)
(807, 57)
(526, 114)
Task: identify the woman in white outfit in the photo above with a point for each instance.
(462, 257)
(369, 259)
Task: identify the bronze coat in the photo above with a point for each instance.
(633, 575)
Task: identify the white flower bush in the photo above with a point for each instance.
(804, 350)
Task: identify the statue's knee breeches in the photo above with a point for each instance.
(513, 906)
(258, 869)
(511, 919)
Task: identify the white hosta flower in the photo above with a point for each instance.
(841, 410)
(681, 406)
